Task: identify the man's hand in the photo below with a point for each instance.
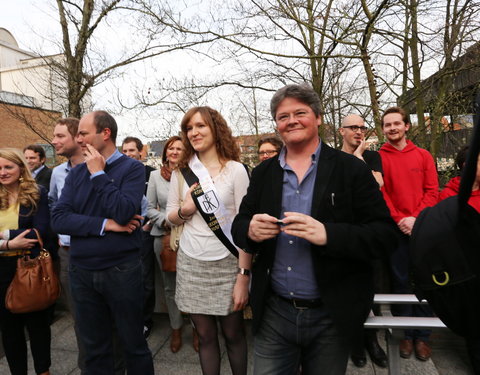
(133, 224)
(263, 227)
(94, 160)
(360, 149)
(406, 225)
(20, 242)
(306, 227)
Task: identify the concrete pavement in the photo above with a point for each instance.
(449, 355)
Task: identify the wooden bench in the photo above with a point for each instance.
(395, 325)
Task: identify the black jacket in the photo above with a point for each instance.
(359, 228)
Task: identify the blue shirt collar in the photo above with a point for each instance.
(115, 156)
(283, 154)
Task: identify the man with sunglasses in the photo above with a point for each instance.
(353, 132)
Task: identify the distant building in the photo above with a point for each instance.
(26, 116)
(37, 81)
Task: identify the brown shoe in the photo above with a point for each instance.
(423, 351)
(176, 340)
(195, 341)
(406, 348)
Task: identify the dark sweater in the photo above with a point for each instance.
(84, 205)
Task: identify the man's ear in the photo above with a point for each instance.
(407, 126)
(107, 133)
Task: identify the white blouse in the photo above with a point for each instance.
(197, 239)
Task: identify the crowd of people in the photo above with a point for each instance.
(306, 240)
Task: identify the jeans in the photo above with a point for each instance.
(104, 298)
(290, 337)
(401, 285)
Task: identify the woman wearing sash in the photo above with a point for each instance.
(212, 274)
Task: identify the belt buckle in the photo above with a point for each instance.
(298, 307)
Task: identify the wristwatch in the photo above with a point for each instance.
(243, 271)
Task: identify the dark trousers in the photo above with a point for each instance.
(148, 263)
(401, 285)
(290, 337)
(107, 298)
(13, 329)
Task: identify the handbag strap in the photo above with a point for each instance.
(39, 237)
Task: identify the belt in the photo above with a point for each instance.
(66, 248)
(302, 304)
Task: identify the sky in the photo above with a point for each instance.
(34, 25)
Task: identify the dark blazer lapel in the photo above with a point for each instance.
(277, 187)
(324, 171)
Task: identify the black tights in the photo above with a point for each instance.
(234, 334)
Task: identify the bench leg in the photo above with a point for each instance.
(393, 348)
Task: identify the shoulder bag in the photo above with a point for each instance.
(35, 285)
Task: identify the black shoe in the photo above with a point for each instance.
(377, 354)
(359, 361)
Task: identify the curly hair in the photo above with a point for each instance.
(227, 148)
(29, 192)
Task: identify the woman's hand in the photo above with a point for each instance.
(240, 292)
(188, 207)
(21, 243)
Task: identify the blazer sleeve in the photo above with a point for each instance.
(247, 209)
(39, 220)
(154, 212)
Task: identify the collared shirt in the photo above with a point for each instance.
(37, 171)
(293, 275)
(59, 174)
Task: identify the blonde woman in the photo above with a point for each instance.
(23, 206)
(211, 282)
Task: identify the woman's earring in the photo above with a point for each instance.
(21, 179)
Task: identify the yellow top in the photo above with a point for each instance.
(9, 220)
(9, 217)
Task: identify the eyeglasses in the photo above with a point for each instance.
(355, 128)
(267, 153)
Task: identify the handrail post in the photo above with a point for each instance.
(393, 347)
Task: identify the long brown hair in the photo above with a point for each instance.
(227, 148)
(29, 192)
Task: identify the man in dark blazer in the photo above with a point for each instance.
(36, 157)
(314, 218)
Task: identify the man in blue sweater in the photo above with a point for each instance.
(99, 208)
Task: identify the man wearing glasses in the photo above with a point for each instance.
(353, 132)
(268, 147)
(314, 217)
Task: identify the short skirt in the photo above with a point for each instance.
(205, 287)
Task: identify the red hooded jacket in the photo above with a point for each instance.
(411, 181)
(453, 187)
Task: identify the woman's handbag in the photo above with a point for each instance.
(176, 230)
(168, 257)
(35, 285)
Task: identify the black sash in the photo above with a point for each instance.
(210, 219)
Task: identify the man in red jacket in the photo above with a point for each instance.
(410, 185)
